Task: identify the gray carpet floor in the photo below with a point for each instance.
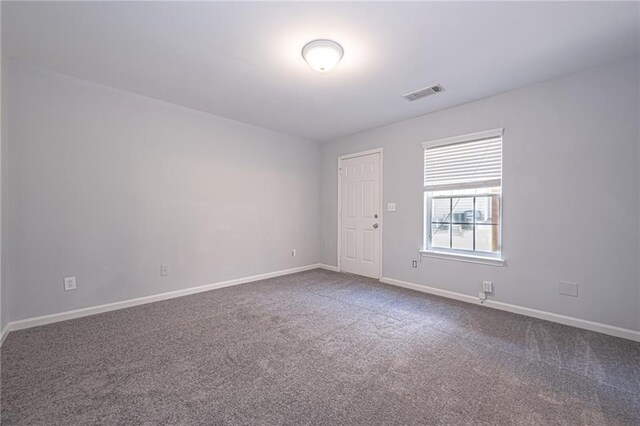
(316, 348)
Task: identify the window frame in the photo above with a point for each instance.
(473, 256)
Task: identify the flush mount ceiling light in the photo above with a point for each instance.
(322, 55)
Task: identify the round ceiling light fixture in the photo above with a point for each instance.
(322, 54)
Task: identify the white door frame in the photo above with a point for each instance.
(381, 221)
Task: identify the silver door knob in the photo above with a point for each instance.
(375, 226)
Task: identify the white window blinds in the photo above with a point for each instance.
(475, 163)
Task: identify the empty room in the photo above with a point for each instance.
(320, 213)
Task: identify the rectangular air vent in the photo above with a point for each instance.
(431, 90)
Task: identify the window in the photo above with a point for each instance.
(463, 195)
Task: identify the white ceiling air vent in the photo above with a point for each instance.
(431, 90)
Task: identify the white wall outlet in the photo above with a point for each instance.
(164, 270)
(69, 283)
(487, 286)
(482, 295)
(568, 288)
(391, 207)
(414, 263)
(293, 252)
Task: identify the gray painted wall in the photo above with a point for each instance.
(107, 186)
(3, 311)
(571, 194)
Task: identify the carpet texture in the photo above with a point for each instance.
(316, 347)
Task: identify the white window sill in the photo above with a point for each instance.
(493, 261)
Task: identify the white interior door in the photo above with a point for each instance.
(360, 215)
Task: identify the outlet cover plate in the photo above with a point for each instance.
(487, 286)
(568, 288)
(69, 283)
(391, 207)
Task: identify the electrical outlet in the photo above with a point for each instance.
(69, 283)
(293, 252)
(482, 295)
(487, 286)
(414, 263)
(391, 207)
(164, 270)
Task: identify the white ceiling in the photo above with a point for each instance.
(242, 60)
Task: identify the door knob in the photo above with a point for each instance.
(375, 226)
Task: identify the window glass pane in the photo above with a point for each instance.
(463, 211)
(488, 238)
(440, 210)
(488, 210)
(440, 235)
(452, 221)
(462, 237)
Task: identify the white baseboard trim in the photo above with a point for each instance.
(3, 334)
(329, 267)
(93, 310)
(562, 319)
(611, 330)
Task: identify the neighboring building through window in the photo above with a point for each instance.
(462, 195)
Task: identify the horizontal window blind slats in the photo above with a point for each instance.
(470, 164)
(461, 177)
(440, 151)
(464, 156)
(432, 180)
(465, 146)
(471, 159)
(456, 168)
